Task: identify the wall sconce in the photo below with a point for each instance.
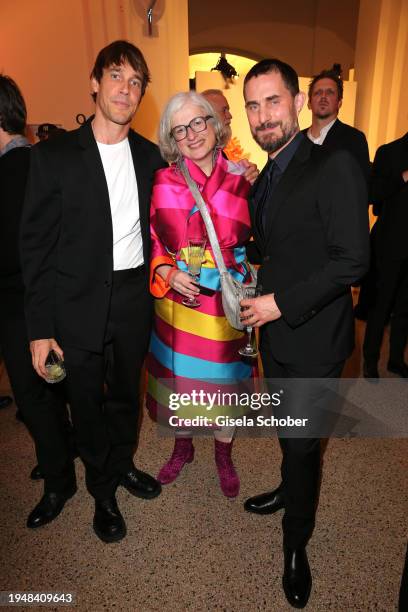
(150, 11)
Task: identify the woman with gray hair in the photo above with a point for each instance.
(195, 344)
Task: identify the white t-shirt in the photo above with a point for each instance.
(124, 203)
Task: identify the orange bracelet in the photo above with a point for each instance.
(172, 270)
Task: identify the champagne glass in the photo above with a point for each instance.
(250, 349)
(196, 249)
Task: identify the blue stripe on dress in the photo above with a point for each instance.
(193, 367)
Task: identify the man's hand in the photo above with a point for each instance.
(251, 173)
(260, 310)
(405, 176)
(39, 352)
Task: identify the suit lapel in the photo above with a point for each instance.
(92, 160)
(143, 174)
(334, 134)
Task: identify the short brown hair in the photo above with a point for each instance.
(288, 74)
(117, 53)
(335, 74)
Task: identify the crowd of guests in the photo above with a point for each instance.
(96, 224)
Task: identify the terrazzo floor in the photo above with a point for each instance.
(192, 549)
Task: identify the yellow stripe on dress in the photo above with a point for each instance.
(189, 320)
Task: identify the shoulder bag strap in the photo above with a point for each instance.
(202, 207)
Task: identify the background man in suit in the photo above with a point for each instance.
(32, 395)
(85, 250)
(325, 97)
(220, 104)
(389, 193)
(309, 215)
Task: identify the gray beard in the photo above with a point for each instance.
(228, 133)
(274, 145)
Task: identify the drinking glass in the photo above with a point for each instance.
(250, 349)
(196, 249)
(55, 368)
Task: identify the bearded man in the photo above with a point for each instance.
(309, 216)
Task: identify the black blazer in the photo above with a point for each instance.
(316, 245)
(67, 239)
(389, 194)
(14, 167)
(344, 136)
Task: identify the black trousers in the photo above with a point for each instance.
(42, 406)
(106, 419)
(391, 297)
(300, 467)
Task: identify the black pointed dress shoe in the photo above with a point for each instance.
(108, 522)
(266, 503)
(48, 508)
(370, 371)
(36, 473)
(141, 484)
(398, 368)
(297, 579)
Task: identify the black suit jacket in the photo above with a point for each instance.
(14, 167)
(389, 194)
(344, 136)
(315, 246)
(67, 239)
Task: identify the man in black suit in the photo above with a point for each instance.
(85, 253)
(325, 97)
(32, 395)
(389, 193)
(309, 216)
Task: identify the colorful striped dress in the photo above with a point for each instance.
(196, 344)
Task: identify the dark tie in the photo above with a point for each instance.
(265, 190)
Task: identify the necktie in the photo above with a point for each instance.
(265, 191)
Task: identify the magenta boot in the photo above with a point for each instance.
(183, 453)
(229, 479)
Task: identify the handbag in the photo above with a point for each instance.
(232, 291)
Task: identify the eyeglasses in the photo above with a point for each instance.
(198, 124)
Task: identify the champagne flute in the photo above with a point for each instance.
(250, 349)
(196, 249)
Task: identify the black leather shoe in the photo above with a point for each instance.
(108, 522)
(5, 400)
(297, 579)
(398, 368)
(370, 371)
(266, 503)
(48, 508)
(141, 484)
(36, 473)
